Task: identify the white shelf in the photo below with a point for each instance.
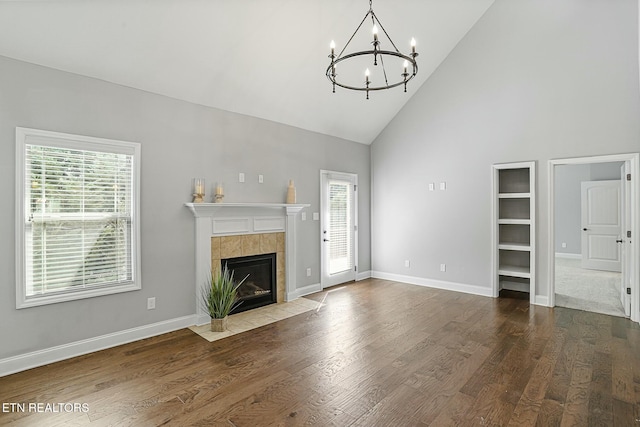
(514, 234)
(514, 195)
(207, 209)
(514, 271)
(515, 246)
(514, 221)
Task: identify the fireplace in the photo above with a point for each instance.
(228, 230)
(259, 287)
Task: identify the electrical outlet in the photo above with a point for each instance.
(241, 177)
(407, 263)
(260, 179)
(443, 267)
(308, 272)
(151, 303)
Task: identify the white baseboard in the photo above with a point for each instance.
(307, 290)
(26, 361)
(363, 275)
(542, 300)
(568, 256)
(438, 284)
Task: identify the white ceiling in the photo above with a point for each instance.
(263, 58)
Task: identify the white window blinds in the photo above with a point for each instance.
(80, 231)
(340, 226)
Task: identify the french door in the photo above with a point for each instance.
(338, 227)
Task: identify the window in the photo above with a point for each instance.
(77, 217)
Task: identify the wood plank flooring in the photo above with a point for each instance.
(378, 353)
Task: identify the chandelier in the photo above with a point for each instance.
(378, 55)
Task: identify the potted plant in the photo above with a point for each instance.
(220, 297)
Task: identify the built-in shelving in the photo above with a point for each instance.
(514, 227)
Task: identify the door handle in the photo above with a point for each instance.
(325, 240)
(619, 241)
(584, 229)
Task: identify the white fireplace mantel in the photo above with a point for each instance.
(210, 209)
(225, 219)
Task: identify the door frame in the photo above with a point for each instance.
(347, 176)
(634, 208)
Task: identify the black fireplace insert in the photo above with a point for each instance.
(259, 288)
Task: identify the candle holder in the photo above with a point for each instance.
(198, 190)
(219, 193)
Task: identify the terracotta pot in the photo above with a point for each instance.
(219, 325)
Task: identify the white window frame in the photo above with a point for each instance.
(26, 136)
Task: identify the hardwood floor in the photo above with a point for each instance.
(378, 353)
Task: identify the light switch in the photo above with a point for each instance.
(316, 216)
(260, 179)
(241, 177)
(303, 216)
(432, 186)
(443, 185)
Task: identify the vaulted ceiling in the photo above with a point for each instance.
(263, 58)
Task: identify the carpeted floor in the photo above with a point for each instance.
(588, 290)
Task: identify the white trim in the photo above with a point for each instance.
(25, 136)
(568, 256)
(306, 290)
(363, 275)
(26, 361)
(542, 300)
(437, 284)
(634, 203)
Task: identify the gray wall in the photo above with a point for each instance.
(180, 141)
(532, 80)
(568, 194)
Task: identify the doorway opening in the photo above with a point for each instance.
(593, 208)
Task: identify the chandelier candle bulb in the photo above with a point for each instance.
(375, 33)
(366, 75)
(333, 48)
(413, 45)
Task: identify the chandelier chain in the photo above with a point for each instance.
(384, 70)
(354, 34)
(385, 32)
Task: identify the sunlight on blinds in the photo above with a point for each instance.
(79, 219)
(340, 227)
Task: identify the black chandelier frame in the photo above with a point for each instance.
(377, 53)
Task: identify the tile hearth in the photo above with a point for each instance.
(258, 317)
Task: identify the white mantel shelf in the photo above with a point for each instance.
(207, 209)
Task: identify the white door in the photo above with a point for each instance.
(601, 225)
(339, 227)
(625, 252)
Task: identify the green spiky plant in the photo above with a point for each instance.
(220, 296)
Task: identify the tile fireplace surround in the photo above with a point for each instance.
(227, 230)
